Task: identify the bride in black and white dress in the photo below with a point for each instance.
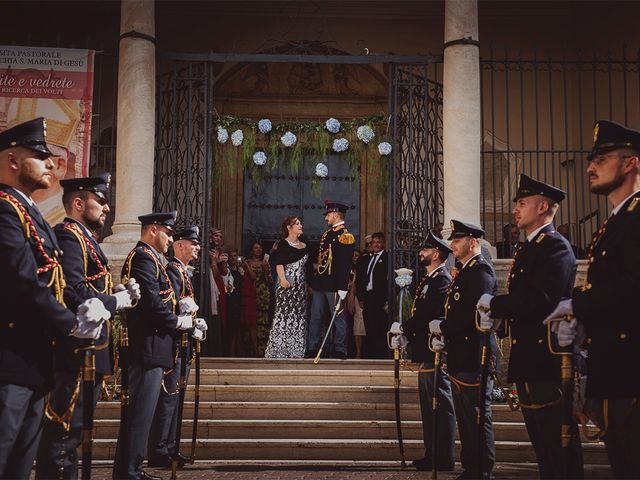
(288, 335)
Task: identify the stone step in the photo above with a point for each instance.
(303, 411)
(337, 449)
(347, 429)
(211, 376)
(302, 393)
(300, 364)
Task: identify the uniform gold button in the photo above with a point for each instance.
(623, 336)
(11, 324)
(521, 270)
(588, 340)
(604, 252)
(514, 341)
(539, 340)
(466, 338)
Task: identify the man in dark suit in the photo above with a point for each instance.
(372, 292)
(153, 326)
(162, 439)
(32, 296)
(428, 304)
(87, 275)
(510, 241)
(331, 281)
(464, 345)
(543, 272)
(606, 307)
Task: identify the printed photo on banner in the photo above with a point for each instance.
(57, 84)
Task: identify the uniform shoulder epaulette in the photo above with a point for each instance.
(347, 238)
(472, 263)
(541, 237)
(634, 203)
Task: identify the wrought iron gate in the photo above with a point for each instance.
(183, 164)
(416, 183)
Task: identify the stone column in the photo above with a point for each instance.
(136, 126)
(461, 112)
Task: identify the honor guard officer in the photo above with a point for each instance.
(606, 307)
(332, 278)
(543, 272)
(428, 304)
(464, 345)
(34, 314)
(162, 446)
(86, 271)
(152, 325)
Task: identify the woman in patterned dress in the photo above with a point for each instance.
(261, 279)
(289, 332)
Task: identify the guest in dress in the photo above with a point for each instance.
(261, 279)
(289, 331)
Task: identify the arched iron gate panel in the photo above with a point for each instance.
(183, 160)
(416, 178)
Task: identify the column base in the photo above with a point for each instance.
(118, 245)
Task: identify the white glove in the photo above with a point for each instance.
(437, 344)
(123, 298)
(342, 294)
(486, 322)
(188, 305)
(567, 332)
(200, 324)
(197, 334)
(396, 328)
(571, 332)
(134, 289)
(399, 341)
(87, 331)
(564, 308)
(434, 327)
(92, 311)
(484, 304)
(185, 322)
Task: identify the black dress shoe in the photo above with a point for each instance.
(159, 462)
(424, 465)
(183, 460)
(147, 476)
(340, 355)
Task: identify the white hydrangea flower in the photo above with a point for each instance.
(237, 137)
(288, 139)
(223, 135)
(384, 148)
(404, 280)
(264, 125)
(340, 144)
(259, 158)
(332, 125)
(365, 133)
(322, 170)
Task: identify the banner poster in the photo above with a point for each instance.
(57, 84)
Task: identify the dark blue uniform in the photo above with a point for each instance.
(334, 268)
(87, 276)
(464, 346)
(161, 446)
(33, 316)
(607, 305)
(152, 332)
(428, 305)
(543, 272)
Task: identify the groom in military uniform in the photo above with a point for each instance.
(332, 277)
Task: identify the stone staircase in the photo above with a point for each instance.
(293, 410)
